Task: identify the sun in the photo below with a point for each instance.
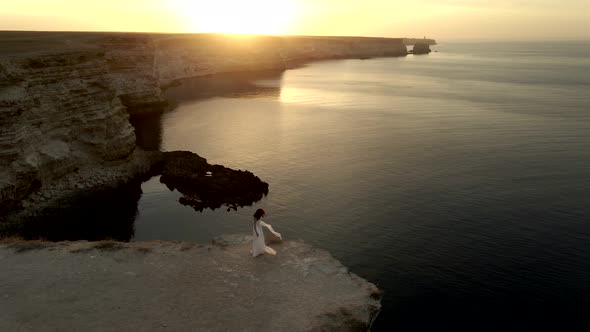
(238, 16)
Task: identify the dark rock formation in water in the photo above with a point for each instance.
(421, 48)
(209, 186)
(97, 214)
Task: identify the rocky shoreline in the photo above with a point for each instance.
(203, 186)
(85, 180)
(66, 98)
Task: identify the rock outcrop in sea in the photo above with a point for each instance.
(421, 48)
(209, 186)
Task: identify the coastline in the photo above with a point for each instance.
(66, 103)
(67, 98)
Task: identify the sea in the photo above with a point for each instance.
(458, 182)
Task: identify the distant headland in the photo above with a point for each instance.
(414, 41)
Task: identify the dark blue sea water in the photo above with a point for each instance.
(459, 182)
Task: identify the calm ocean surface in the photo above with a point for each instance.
(459, 182)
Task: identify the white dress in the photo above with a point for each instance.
(258, 245)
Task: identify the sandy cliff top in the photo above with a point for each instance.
(21, 43)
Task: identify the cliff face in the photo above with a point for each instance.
(57, 112)
(299, 50)
(65, 97)
(183, 56)
(132, 69)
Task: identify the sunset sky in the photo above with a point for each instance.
(441, 19)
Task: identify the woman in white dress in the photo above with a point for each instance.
(258, 245)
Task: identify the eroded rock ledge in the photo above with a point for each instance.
(98, 286)
(203, 186)
(209, 186)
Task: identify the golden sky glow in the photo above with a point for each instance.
(441, 19)
(231, 16)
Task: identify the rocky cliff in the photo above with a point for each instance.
(58, 112)
(65, 98)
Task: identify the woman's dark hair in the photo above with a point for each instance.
(259, 214)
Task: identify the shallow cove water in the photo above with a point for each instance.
(459, 182)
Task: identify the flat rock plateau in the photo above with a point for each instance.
(145, 286)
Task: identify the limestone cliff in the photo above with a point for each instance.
(57, 113)
(65, 97)
(131, 64)
(184, 56)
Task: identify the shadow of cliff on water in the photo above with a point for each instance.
(97, 215)
(229, 85)
(148, 126)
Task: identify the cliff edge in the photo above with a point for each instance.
(101, 286)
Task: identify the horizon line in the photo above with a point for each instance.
(451, 39)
